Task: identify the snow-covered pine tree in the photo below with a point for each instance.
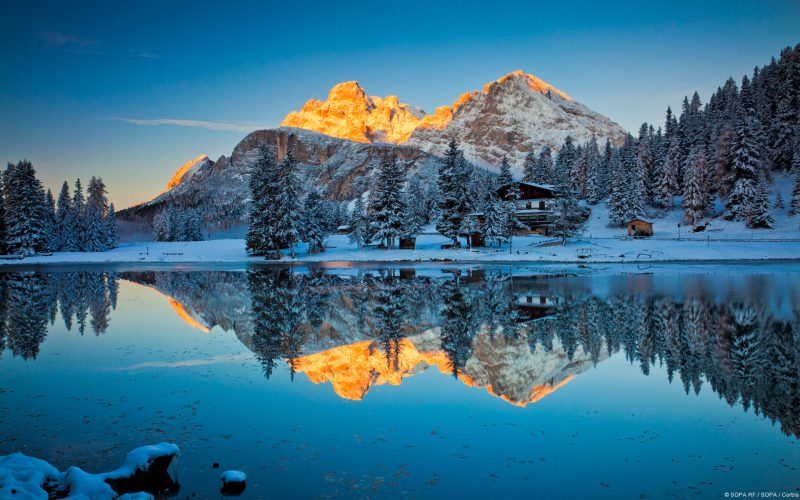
(288, 207)
(634, 179)
(189, 225)
(505, 176)
(312, 229)
(25, 214)
(594, 180)
(784, 131)
(529, 168)
(453, 203)
(794, 205)
(668, 184)
(79, 214)
(506, 179)
(359, 224)
(569, 219)
(723, 160)
(417, 203)
(544, 166)
(494, 221)
(112, 230)
(745, 167)
(3, 235)
(161, 226)
(388, 209)
(618, 206)
(566, 157)
(51, 228)
(606, 171)
(65, 222)
(95, 214)
(265, 193)
(694, 199)
(415, 217)
(646, 163)
(759, 215)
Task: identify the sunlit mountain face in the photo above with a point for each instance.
(516, 336)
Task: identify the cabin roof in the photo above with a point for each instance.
(640, 220)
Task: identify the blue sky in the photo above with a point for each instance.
(74, 72)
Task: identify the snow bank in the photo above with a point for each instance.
(27, 477)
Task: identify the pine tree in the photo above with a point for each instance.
(453, 203)
(794, 205)
(161, 226)
(79, 215)
(569, 219)
(723, 160)
(112, 231)
(566, 157)
(694, 199)
(529, 173)
(745, 166)
(759, 215)
(25, 212)
(50, 222)
(646, 164)
(95, 213)
(312, 229)
(388, 210)
(544, 166)
(66, 222)
(417, 205)
(784, 131)
(264, 197)
(618, 206)
(359, 225)
(494, 221)
(3, 240)
(288, 207)
(668, 184)
(507, 180)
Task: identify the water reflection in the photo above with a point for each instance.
(520, 337)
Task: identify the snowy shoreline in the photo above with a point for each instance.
(526, 250)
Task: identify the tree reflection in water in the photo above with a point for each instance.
(486, 327)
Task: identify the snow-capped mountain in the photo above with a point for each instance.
(349, 113)
(220, 188)
(509, 117)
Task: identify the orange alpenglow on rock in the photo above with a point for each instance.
(187, 318)
(185, 169)
(349, 113)
(353, 369)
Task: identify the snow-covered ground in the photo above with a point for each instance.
(525, 249)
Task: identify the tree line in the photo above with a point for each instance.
(728, 149)
(32, 221)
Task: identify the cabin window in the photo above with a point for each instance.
(633, 227)
(529, 299)
(528, 205)
(542, 300)
(541, 205)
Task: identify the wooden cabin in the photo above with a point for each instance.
(640, 227)
(535, 208)
(408, 243)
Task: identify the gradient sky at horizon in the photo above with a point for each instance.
(76, 73)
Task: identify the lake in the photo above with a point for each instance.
(422, 381)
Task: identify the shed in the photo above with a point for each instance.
(408, 243)
(640, 227)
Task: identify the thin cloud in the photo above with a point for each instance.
(56, 40)
(223, 126)
(214, 360)
(75, 44)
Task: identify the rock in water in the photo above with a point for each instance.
(233, 482)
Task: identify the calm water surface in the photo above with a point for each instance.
(419, 381)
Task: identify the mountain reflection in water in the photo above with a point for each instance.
(520, 337)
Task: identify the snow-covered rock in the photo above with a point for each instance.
(511, 116)
(349, 113)
(22, 476)
(219, 189)
(233, 482)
